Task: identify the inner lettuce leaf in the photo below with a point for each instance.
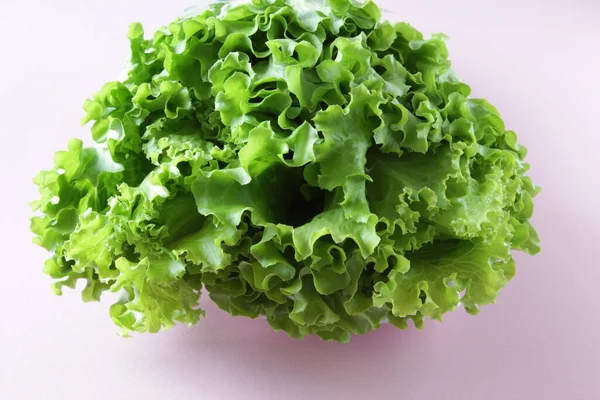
(304, 161)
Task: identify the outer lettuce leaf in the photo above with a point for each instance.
(155, 296)
(299, 160)
(440, 272)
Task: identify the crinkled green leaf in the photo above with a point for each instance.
(154, 295)
(205, 247)
(334, 223)
(440, 272)
(93, 243)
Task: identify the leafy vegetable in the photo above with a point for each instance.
(301, 160)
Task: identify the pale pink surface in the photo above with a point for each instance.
(537, 61)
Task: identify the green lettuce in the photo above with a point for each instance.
(303, 161)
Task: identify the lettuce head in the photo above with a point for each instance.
(304, 161)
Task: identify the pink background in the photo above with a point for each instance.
(537, 61)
